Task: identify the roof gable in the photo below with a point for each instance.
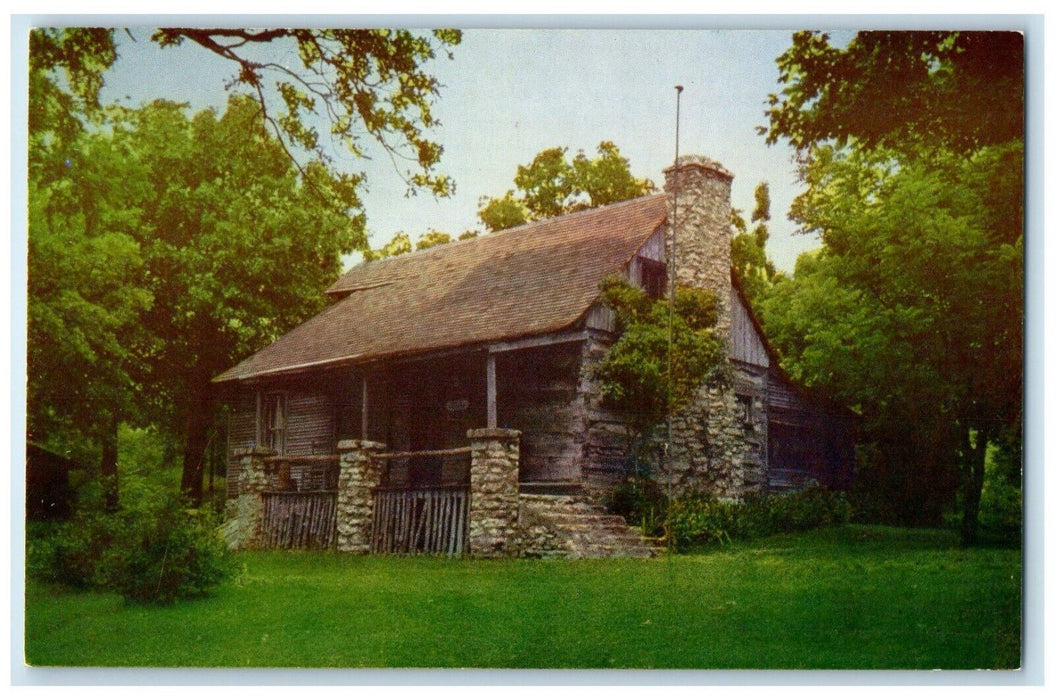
(536, 278)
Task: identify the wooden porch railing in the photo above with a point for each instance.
(299, 519)
(300, 508)
(430, 520)
(422, 519)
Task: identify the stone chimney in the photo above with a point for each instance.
(702, 256)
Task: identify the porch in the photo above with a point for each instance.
(339, 501)
(422, 409)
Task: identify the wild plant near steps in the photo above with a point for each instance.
(696, 518)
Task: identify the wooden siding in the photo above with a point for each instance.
(310, 424)
(310, 428)
(745, 344)
(241, 434)
(299, 520)
(537, 395)
(655, 248)
(807, 440)
(603, 431)
(601, 318)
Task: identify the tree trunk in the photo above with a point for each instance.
(974, 477)
(197, 440)
(108, 464)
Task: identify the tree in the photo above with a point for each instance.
(912, 310)
(84, 292)
(552, 185)
(636, 377)
(367, 83)
(752, 266)
(400, 244)
(900, 90)
(237, 251)
(180, 233)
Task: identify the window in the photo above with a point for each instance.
(745, 406)
(275, 415)
(653, 278)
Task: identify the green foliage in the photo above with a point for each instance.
(912, 311)
(1000, 504)
(753, 268)
(432, 238)
(902, 89)
(153, 550)
(639, 499)
(154, 265)
(399, 245)
(660, 359)
(552, 185)
(163, 552)
(696, 519)
(162, 249)
(498, 214)
(70, 554)
(362, 81)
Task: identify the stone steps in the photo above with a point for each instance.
(573, 527)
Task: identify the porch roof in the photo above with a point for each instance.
(537, 278)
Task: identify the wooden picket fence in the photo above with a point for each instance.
(299, 519)
(431, 520)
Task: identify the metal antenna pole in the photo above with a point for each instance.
(673, 269)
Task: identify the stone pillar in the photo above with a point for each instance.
(494, 502)
(242, 527)
(360, 474)
(703, 254)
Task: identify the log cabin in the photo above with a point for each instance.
(502, 332)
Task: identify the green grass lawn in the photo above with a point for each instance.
(847, 598)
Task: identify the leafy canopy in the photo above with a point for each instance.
(368, 85)
(752, 266)
(162, 248)
(552, 185)
(910, 146)
(901, 90)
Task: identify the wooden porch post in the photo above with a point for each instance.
(366, 422)
(492, 392)
(258, 434)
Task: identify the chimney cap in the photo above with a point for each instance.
(701, 163)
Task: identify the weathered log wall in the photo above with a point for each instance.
(537, 395)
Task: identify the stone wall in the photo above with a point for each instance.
(242, 527)
(714, 449)
(360, 474)
(495, 498)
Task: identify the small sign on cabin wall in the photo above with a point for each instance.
(456, 405)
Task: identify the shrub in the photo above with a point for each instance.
(164, 552)
(640, 500)
(152, 550)
(70, 553)
(695, 519)
(700, 519)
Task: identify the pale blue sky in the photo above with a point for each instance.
(511, 93)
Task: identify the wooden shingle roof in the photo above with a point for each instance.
(537, 278)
